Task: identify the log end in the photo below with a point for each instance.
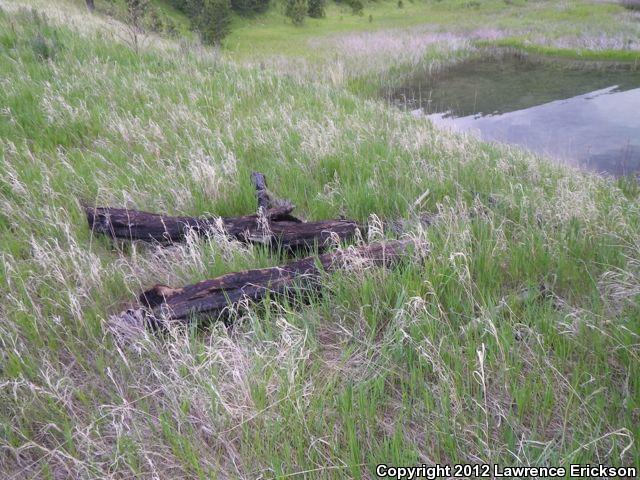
(157, 295)
(98, 219)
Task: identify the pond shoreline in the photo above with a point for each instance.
(578, 113)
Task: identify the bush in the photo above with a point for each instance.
(249, 7)
(154, 21)
(215, 21)
(212, 18)
(171, 28)
(193, 8)
(296, 10)
(356, 7)
(316, 8)
(136, 11)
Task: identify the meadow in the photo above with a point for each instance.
(512, 336)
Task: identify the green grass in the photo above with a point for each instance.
(366, 53)
(542, 24)
(607, 55)
(515, 340)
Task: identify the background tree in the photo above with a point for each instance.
(191, 8)
(135, 22)
(249, 7)
(316, 8)
(215, 21)
(296, 10)
(356, 7)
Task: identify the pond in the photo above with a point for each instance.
(588, 117)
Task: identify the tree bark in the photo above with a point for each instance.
(215, 297)
(273, 225)
(276, 228)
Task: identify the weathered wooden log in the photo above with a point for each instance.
(276, 228)
(262, 194)
(214, 297)
(265, 202)
(273, 224)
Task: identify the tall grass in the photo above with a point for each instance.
(515, 340)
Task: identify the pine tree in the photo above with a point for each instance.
(296, 10)
(316, 8)
(215, 21)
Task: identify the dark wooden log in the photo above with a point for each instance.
(276, 227)
(214, 297)
(265, 201)
(262, 194)
(273, 225)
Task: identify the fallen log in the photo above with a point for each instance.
(215, 297)
(276, 227)
(273, 225)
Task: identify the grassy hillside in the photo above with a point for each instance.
(514, 340)
(603, 29)
(365, 53)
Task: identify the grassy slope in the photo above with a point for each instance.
(515, 341)
(570, 28)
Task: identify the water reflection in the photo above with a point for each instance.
(589, 118)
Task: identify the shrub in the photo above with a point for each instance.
(357, 7)
(296, 10)
(249, 7)
(154, 21)
(191, 8)
(136, 22)
(136, 11)
(400, 4)
(170, 27)
(316, 8)
(215, 21)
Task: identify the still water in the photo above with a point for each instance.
(583, 116)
